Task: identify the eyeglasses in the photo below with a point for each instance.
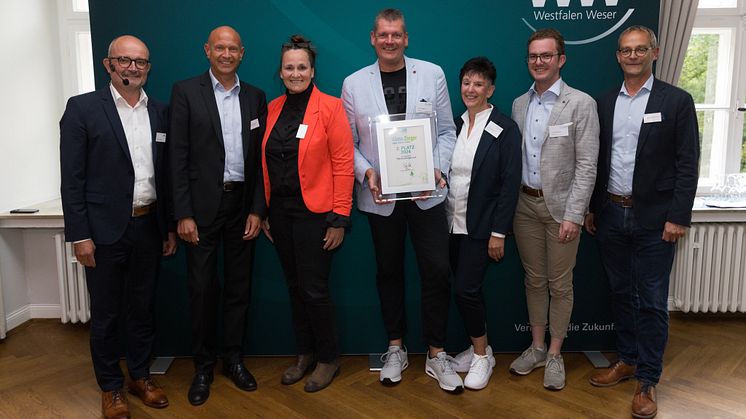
(639, 51)
(125, 62)
(544, 58)
(397, 36)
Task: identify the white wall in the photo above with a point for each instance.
(31, 105)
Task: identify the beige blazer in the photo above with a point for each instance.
(568, 163)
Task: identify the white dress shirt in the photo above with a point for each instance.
(461, 166)
(136, 124)
(537, 119)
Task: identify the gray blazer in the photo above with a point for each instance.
(362, 95)
(568, 164)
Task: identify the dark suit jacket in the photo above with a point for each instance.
(664, 182)
(98, 178)
(198, 154)
(495, 179)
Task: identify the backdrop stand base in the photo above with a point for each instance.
(597, 359)
(160, 365)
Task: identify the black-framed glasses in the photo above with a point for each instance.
(639, 51)
(125, 62)
(544, 58)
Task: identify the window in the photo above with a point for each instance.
(714, 73)
(75, 47)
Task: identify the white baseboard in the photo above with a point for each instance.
(32, 311)
(671, 304)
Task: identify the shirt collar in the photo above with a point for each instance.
(480, 114)
(117, 97)
(217, 86)
(647, 86)
(555, 88)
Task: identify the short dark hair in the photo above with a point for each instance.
(549, 33)
(481, 66)
(300, 42)
(390, 15)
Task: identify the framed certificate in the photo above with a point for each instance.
(405, 155)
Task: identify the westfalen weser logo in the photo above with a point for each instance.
(580, 21)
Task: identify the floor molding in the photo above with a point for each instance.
(32, 311)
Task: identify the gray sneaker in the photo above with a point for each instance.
(394, 362)
(462, 361)
(440, 368)
(554, 373)
(529, 360)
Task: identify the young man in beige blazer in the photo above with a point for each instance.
(560, 132)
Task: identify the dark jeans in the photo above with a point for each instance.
(638, 264)
(123, 285)
(204, 286)
(298, 237)
(469, 260)
(429, 232)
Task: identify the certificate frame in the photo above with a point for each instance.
(405, 153)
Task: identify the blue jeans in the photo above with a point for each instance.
(638, 264)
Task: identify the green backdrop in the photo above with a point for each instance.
(444, 32)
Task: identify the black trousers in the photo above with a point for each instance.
(429, 232)
(469, 261)
(298, 237)
(122, 285)
(205, 290)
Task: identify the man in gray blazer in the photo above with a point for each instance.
(560, 150)
(397, 84)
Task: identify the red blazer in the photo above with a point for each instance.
(325, 154)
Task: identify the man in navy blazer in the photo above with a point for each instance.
(642, 203)
(116, 209)
(217, 124)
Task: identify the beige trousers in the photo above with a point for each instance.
(548, 265)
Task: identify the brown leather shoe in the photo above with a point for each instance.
(644, 404)
(618, 371)
(303, 364)
(322, 376)
(149, 392)
(114, 405)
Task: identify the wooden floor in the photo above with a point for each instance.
(46, 372)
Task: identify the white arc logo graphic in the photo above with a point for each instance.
(584, 3)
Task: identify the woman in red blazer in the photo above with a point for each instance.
(307, 163)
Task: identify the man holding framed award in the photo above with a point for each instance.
(415, 150)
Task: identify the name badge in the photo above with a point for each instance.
(559, 130)
(302, 128)
(423, 107)
(494, 129)
(254, 123)
(160, 137)
(650, 118)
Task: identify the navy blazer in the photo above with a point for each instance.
(98, 179)
(495, 179)
(664, 182)
(198, 153)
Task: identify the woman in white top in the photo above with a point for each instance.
(484, 181)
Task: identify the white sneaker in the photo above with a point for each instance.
(440, 368)
(462, 361)
(394, 362)
(479, 372)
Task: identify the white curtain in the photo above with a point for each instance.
(674, 29)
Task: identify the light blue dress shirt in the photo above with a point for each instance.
(229, 109)
(537, 118)
(628, 115)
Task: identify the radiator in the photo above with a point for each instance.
(74, 301)
(709, 269)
